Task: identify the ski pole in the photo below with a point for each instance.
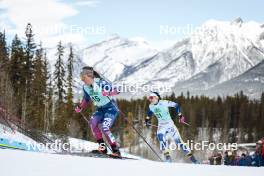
(152, 125)
(186, 123)
(85, 118)
(137, 131)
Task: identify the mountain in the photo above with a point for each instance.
(114, 56)
(235, 48)
(251, 83)
(213, 54)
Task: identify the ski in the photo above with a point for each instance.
(97, 154)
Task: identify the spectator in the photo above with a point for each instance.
(229, 158)
(216, 159)
(244, 160)
(258, 157)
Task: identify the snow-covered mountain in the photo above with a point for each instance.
(230, 50)
(114, 56)
(251, 83)
(217, 52)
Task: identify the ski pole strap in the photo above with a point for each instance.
(137, 131)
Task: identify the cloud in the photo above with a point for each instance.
(46, 16)
(87, 3)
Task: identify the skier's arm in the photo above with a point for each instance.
(108, 89)
(84, 103)
(148, 118)
(177, 109)
(174, 105)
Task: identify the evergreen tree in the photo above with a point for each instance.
(70, 105)
(16, 71)
(48, 109)
(4, 62)
(59, 79)
(59, 75)
(28, 72)
(3, 51)
(6, 89)
(38, 90)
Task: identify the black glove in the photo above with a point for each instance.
(147, 121)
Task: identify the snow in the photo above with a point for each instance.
(40, 164)
(6, 132)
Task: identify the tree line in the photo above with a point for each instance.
(29, 89)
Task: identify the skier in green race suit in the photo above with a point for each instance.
(166, 127)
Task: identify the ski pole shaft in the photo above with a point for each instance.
(84, 117)
(137, 131)
(152, 125)
(185, 123)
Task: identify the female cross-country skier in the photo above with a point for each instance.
(166, 127)
(99, 91)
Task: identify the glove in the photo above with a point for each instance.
(104, 93)
(181, 118)
(147, 121)
(78, 109)
(110, 93)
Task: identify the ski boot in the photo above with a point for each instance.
(102, 147)
(167, 156)
(115, 151)
(192, 158)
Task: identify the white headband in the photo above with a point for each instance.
(153, 95)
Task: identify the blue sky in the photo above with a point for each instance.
(130, 19)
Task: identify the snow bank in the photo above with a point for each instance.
(42, 164)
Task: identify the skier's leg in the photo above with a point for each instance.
(179, 142)
(108, 120)
(95, 120)
(161, 134)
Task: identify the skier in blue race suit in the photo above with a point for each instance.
(99, 91)
(166, 127)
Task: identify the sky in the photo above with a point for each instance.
(85, 22)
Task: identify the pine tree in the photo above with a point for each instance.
(59, 74)
(28, 72)
(3, 51)
(16, 71)
(38, 90)
(48, 110)
(70, 83)
(59, 79)
(5, 89)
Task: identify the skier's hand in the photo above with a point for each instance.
(147, 121)
(78, 109)
(181, 118)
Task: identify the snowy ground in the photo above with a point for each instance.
(24, 163)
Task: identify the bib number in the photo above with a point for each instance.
(96, 98)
